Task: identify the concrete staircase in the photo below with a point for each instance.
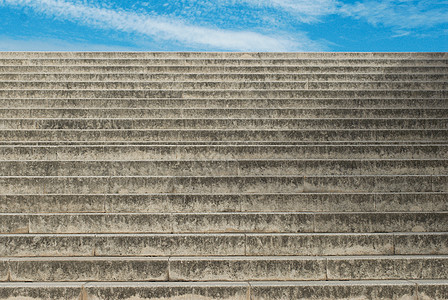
(224, 176)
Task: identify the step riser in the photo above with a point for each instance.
(315, 202)
(161, 77)
(214, 94)
(225, 124)
(422, 69)
(238, 55)
(222, 245)
(211, 185)
(365, 244)
(399, 289)
(222, 62)
(223, 222)
(224, 103)
(252, 115)
(271, 86)
(224, 136)
(224, 168)
(347, 290)
(55, 153)
(184, 269)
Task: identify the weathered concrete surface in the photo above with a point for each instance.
(219, 152)
(387, 267)
(185, 203)
(41, 291)
(393, 290)
(432, 289)
(88, 269)
(242, 268)
(175, 291)
(319, 244)
(263, 175)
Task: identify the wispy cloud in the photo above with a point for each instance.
(399, 13)
(35, 44)
(391, 13)
(401, 33)
(306, 11)
(164, 28)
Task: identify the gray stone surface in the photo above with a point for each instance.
(188, 175)
(88, 269)
(391, 290)
(41, 291)
(153, 291)
(320, 244)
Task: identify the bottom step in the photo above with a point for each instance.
(397, 289)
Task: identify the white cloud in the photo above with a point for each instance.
(398, 13)
(306, 11)
(14, 44)
(391, 13)
(167, 29)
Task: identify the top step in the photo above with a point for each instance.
(224, 61)
(239, 55)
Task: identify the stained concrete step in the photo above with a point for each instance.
(224, 123)
(265, 136)
(235, 244)
(224, 113)
(20, 143)
(219, 94)
(51, 185)
(221, 77)
(254, 222)
(242, 55)
(199, 203)
(304, 268)
(221, 152)
(223, 62)
(431, 289)
(213, 85)
(240, 167)
(204, 103)
(175, 269)
(267, 290)
(206, 69)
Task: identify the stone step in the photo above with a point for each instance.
(204, 103)
(304, 268)
(240, 167)
(201, 269)
(226, 93)
(236, 69)
(217, 85)
(276, 244)
(239, 55)
(256, 290)
(228, 244)
(53, 185)
(437, 62)
(220, 77)
(221, 152)
(225, 123)
(200, 203)
(255, 222)
(109, 143)
(329, 290)
(265, 136)
(251, 114)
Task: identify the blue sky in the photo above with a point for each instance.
(224, 25)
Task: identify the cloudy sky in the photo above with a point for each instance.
(224, 25)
